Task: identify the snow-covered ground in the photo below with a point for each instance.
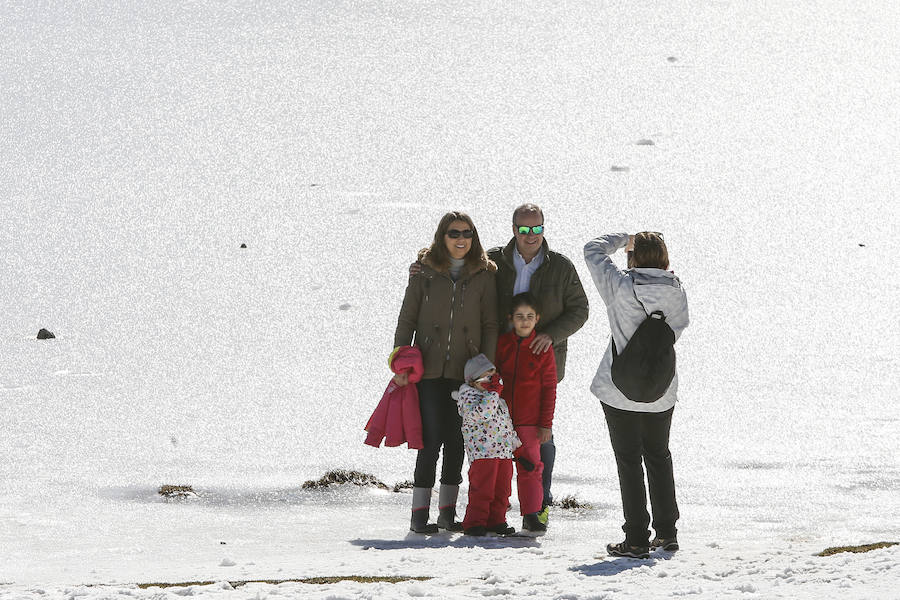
(141, 144)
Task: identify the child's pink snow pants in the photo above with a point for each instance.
(529, 483)
(490, 484)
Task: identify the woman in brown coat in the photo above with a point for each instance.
(450, 306)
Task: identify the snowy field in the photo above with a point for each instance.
(142, 145)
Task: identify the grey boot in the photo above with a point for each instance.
(421, 506)
(447, 506)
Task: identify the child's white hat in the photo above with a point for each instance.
(477, 365)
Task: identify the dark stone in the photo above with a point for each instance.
(43, 334)
(243, 245)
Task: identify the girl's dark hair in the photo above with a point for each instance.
(524, 299)
(650, 251)
(438, 250)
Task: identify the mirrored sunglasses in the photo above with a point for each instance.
(524, 230)
(455, 233)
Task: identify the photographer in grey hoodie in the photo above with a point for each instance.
(639, 431)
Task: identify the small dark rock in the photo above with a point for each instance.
(862, 245)
(177, 491)
(223, 543)
(243, 245)
(43, 334)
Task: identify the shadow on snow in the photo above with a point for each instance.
(607, 568)
(414, 540)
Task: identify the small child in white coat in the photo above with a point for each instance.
(490, 442)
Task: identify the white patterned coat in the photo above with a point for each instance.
(487, 427)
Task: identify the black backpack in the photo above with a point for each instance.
(645, 368)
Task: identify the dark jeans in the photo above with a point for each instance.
(548, 457)
(441, 426)
(636, 436)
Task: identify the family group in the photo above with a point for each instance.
(479, 349)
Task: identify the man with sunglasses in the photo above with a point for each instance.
(526, 264)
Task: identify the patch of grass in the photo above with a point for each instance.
(572, 502)
(404, 485)
(857, 549)
(310, 580)
(176, 491)
(343, 476)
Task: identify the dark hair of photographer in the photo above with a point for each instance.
(649, 251)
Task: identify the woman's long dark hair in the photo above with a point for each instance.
(438, 250)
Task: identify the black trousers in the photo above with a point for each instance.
(441, 426)
(638, 436)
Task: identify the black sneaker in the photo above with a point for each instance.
(666, 544)
(476, 530)
(502, 529)
(623, 549)
(531, 525)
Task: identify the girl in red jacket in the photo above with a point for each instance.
(529, 388)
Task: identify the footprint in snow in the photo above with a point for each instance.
(227, 562)
(344, 307)
(645, 142)
(619, 169)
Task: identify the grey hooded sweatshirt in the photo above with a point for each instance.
(657, 290)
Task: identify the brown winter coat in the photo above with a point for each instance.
(556, 285)
(452, 321)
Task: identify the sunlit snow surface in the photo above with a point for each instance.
(142, 145)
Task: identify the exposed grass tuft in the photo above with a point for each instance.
(177, 491)
(342, 476)
(857, 549)
(572, 502)
(310, 580)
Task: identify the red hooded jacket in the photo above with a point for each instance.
(529, 380)
(397, 418)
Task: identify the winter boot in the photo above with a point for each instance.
(502, 529)
(531, 525)
(420, 507)
(447, 507)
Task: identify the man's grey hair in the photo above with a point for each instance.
(527, 208)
